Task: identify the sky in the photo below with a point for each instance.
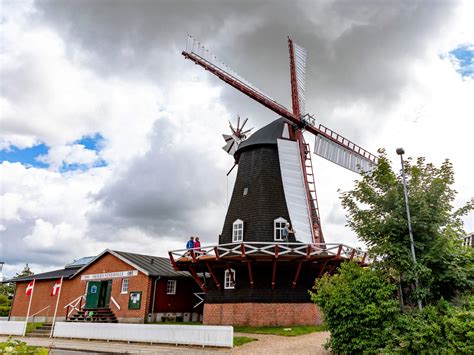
(109, 138)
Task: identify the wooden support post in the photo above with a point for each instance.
(242, 249)
(297, 274)
(352, 254)
(173, 262)
(339, 251)
(249, 267)
(196, 278)
(274, 273)
(193, 255)
(216, 281)
(216, 251)
(276, 250)
(362, 262)
(332, 269)
(322, 269)
(308, 251)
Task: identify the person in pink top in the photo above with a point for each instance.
(197, 245)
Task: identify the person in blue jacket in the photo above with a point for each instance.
(190, 243)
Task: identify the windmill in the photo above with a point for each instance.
(255, 265)
(328, 144)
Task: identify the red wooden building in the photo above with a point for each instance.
(114, 286)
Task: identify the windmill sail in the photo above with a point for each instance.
(300, 63)
(343, 152)
(196, 52)
(294, 188)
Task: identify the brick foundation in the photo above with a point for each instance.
(262, 314)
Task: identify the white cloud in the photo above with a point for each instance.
(69, 154)
(50, 95)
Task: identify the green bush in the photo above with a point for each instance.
(358, 307)
(459, 328)
(441, 328)
(4, 310)
(416, 331)
(20, 347)
(4, 305)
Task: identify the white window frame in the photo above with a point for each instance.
(171, 287)
(228, 284)
(278, 226)
(237, 231)
(124, 286)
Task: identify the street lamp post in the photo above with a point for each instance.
(400, 152)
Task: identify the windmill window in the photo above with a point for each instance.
(246, 191)
(229, 279)
(279, 225)
(237, 231)
(171, 287)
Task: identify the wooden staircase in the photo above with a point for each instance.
(99, 315)
(43, 331)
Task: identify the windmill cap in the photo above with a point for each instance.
(266, 135)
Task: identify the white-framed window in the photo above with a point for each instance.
(279, 226)
(171, 287)
(229, 279)
(124, 288)
(238, 231)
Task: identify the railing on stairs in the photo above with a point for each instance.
(40, 311)
(115, 303)
(77, 304)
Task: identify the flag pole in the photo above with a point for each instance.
(29, 307)
(56, 309)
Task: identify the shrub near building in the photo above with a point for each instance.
(358, 307)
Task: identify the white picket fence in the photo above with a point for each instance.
(204, 335)
(12, 328)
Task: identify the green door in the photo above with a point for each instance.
(93, 291)
(107, 294)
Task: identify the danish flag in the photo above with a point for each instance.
(29, 288)
(56, 287)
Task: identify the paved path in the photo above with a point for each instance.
(312, 343)
(266, 344)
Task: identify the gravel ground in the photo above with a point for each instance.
(274, 344)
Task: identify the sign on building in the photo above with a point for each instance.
(109, 275)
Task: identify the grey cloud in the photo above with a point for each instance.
(163, 191)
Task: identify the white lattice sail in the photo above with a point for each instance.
(294, 188)
(338, 154)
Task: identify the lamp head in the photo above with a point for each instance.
(400, 151)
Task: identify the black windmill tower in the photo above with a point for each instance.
(254, 275)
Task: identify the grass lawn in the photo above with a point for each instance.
(238, 341)
(289, 331)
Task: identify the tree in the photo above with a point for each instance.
(376, 212)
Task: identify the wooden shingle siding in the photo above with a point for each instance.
(259, 171)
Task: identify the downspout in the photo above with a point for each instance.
(154, 296)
